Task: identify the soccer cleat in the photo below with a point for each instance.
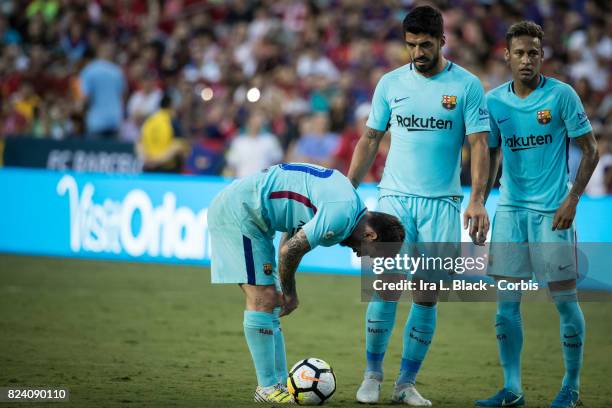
(282, 387)
(566, 398)
(504, 398)
(407, 394)
(369, 391)
(274, 394)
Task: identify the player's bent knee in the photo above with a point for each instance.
(261, 298)
(562, 285)
(425, 297)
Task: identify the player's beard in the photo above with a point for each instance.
(530, 77)
(429, 66)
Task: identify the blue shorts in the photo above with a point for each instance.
(523, 245)
(241, 251)
(427, 220)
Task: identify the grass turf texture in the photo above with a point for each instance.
(122, 334)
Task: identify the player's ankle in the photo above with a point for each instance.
(515, 390)
(267, 387)
(373, 375)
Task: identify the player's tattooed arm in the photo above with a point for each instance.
(364, 154)
(290, 255)
(475, 216)
(373, 133)
(564, 216)
(590, 158)
(283, 240)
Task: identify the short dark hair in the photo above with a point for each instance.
(424, 19)
(387, 227)
(525, 27)
(165, 102)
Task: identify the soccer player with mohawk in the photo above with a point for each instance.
(532, 119)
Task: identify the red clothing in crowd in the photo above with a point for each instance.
(344, 154)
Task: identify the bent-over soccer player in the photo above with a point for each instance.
(312, 206)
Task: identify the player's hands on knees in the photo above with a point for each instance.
(476, 219)
(564, 216)
(288, 304)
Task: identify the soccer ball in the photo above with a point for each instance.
(311, 382)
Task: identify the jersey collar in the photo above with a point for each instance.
(540, 86)
(448, 67)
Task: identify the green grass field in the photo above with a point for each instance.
(120, 334)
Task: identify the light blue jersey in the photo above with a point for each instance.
(103, 83)
(244, 217)
(293, 196)
(321, 201)
(533, 134)
(428, 119)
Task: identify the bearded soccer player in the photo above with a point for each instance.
(532, 119)
(313, 206)
(429, 106)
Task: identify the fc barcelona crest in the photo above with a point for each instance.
(449, 101)
(544, 116)
(268, 268)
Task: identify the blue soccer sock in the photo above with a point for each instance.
(259, 333)
(280, 360)
(509, 333)
(380, 319)
(572, 331)
(418, 333)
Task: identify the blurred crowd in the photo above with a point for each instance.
(232, 86)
